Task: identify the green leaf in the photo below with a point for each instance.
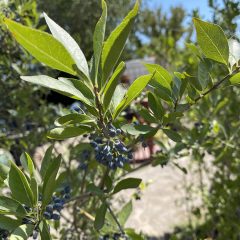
(61, 133)
(44, 231)
(8, 223)
(100, 216)
(111, 85)
(80, 86)
(147, 115)
(44, 47)
(65, 88)
(212, 41)
(73, 118)
(126, 184)
(125, 212)
(98, 38)
(155, 105)
(94, 189)
(19, 186)
(133, 235)
(235, 79)
(23, 232)
(27, 162)
(70, 45)
(161, 78)
(115, 43)
(108, 183)
(133, 92)
(46, 161)
(4, 170)
(133, 129)
(10, 206)
(49, 181)
(203, 73)
(118, 95)
(172, 135)
(34, 187)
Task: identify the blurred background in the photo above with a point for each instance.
(192, 196)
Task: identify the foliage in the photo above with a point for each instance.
(40, 195)
(20, 118)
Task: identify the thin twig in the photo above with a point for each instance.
(115, 219)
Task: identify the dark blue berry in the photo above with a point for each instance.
(67, 196)
(55, 216)
(118, 131)
(57, 199)
(35, 234)
(58, 206)
(67, 189)
(47, 215)
(49, 208)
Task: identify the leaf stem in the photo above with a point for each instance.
(217, 84)
(115, 219)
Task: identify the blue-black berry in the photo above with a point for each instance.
(55, 216)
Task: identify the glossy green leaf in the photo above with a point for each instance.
(118, 96)
(125, 213)
(23, 232)
(27, 163)
(115, 43)
(61, 133)
(147, 115)
(133, 92)
(44, 231)
(65, 88)
(155, 105)
(86, 91)
(100, 216)
(172, 135)
(4, 170)
(73, 118)
(70, 45)
(19, 186)
(133, 129)
(11, 206)
(132, 235)
(44, 47)
(46, 161)
(111, 85)
(162, 77)
(49, 181)
(98, 38)
(203, 73)
(235, 79)
(212, 41)
(34, 187)
(126, 184)
(9, 223)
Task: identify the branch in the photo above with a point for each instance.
(217, 84)
(115, 219)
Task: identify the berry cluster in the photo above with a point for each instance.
(3, 234)
(115, 236)
(85, 156)
(110, 151)
(53, 209)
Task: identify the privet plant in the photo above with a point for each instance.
(43, 199)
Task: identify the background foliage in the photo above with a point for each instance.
(214, 121)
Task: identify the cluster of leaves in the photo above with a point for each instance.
(97, 88)
(18, 114)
